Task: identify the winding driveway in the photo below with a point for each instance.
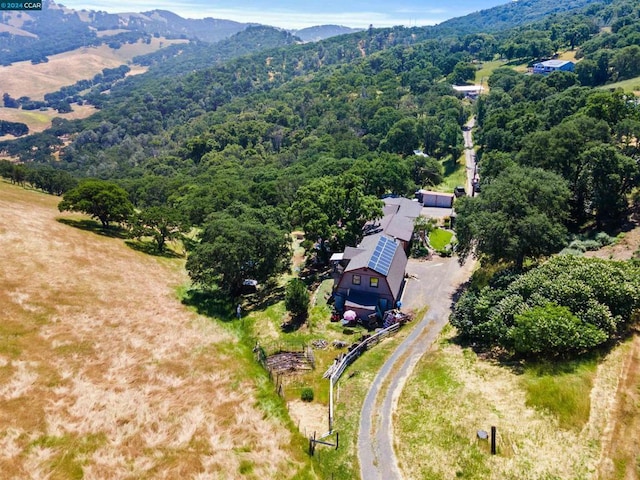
(437, 283)
(431, 283)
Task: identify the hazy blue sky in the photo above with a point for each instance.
(302, 13)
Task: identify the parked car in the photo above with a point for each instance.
(459, 191)
(249, 286)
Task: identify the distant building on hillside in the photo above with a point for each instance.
(551, 66)
(470, 91)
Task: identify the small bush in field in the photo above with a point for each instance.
(307, 394)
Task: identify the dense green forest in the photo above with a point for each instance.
(260, 121)
(558, 160)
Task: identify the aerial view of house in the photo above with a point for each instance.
(372, 280)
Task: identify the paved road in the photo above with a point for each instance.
(438, 280)
(433, 284)
(470, 155)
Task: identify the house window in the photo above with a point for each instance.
(355, 280)
(373, 282)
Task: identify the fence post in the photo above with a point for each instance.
(493, 440)
(331, 404)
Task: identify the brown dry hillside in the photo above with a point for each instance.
(25, 79)
(103, 372)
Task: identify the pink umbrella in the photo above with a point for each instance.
(350, 315)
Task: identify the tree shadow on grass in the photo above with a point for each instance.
(214, 304)
(450, 166)
(264, 298)
(151, 249)
(95, 227)
(221, 305)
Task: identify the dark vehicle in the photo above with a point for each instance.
(459, 191)
(249, 286)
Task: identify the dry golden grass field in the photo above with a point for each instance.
(455, 394)
(38, 121)
(33, 81)
(104, 374)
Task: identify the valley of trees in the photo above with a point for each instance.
(248, 138)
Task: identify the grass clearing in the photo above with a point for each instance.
(569, 55)
(483, 74)
(38, 121)
(631, 86)
(454, 393)
(33, 81)
(455, 173)
(105, 374)
(561, 389)
(439, 238)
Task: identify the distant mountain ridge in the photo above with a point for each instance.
(320, 32)
(169, 24)
(56, 29)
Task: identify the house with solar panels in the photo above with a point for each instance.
(373, 278)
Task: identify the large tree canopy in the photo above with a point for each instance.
(520, 214)
(335, 210)
(102, 200)
(235, 248)
(567, 306)
(160, 223)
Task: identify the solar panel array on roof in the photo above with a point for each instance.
(382, 256)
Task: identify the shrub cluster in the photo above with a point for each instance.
(580, 245)
(307, 394)
(566, 307)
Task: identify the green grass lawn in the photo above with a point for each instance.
(439, 238)
(561, 389)
(631, 85)
(483, 74)
(455, 173)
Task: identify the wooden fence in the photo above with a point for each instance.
(351, 357)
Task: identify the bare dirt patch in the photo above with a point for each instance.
(105, 374)
(623, 249)
(309, 417)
